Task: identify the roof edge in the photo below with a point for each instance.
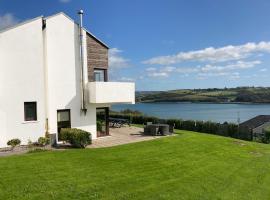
(59, 13)
(20, 24)
(91, 34)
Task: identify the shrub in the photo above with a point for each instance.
(37, 150)
(76, 137)
(199, 126)
(189, 125)
(14, 142)
(43, 141)
(210, 127)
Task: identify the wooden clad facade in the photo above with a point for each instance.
(97, 57)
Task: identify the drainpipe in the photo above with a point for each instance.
(45, 76)
(83, 107)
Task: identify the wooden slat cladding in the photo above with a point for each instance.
(97, 56)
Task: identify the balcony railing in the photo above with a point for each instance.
(111, 92)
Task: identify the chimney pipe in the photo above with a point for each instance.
(83, 107)
(80, 12)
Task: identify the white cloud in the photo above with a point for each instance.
(149, 69)
(168, 69)
(116, 61)
(161, 72)
(65, 1)
(7, 20)
(187, 70)
(235, 75)
(211, 74)
(263, 70)
(229, 67)
(223, 54)
(209, 70)
(158, 74)
(229, 75)
(126, 79)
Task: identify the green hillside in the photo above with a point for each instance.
(215, 95)
(187, 166)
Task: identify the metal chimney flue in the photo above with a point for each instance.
(80, 13)
(83, 107)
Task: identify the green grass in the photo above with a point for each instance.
(188, 166)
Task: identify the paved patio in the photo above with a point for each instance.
(123, 135)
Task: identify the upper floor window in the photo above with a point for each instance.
(99, 75)
(30, 111)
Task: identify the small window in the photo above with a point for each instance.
(30, 111)
(99, 75)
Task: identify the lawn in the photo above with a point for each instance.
(187, 166)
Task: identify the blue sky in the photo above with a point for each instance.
(171, 44)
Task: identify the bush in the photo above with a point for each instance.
(43, 141)
(14, 142)
(188, 125)
(76, 137)
(37, 150)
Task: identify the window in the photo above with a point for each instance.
(30, 111)
(99, 75)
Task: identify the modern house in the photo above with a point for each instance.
(256, 125)
(54, 74)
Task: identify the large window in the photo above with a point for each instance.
(30, 111)
(99, 75)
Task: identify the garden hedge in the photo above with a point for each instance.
(225, 129)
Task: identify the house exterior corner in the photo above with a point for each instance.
(41, 79)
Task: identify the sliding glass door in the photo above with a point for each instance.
(102, 122)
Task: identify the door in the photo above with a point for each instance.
(102, 122)
(63, 119)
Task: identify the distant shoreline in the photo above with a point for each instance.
(240, 95)
(189, 102)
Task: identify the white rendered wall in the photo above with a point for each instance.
(111, 92)
(21, 80)
(63, 69)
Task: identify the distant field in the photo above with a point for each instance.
(188, 166)
(240, 94)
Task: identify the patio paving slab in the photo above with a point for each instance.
(123, 135)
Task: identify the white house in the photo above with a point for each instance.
(53, 74)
